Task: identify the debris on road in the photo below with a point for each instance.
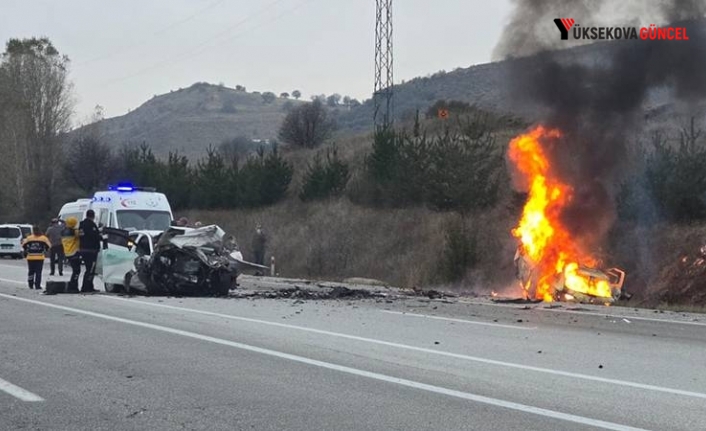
(300, 294)
(431, 293)
(516, 301)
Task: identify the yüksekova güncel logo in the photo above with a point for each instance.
(569, 29)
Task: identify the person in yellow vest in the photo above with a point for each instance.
(35, 246)
(70, 242)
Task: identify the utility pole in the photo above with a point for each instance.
(382, 96)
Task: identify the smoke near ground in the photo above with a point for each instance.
(598, 104)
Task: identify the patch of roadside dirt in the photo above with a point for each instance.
(683, 281)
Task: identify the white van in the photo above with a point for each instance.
(11, 241)
(124, 207)
(26, 229)
(75, 209)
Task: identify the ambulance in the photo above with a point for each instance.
(124, 207)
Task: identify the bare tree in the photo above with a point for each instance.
(36, 110)
(306, 125)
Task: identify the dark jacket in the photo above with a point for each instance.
(259, 241)
(89, 236)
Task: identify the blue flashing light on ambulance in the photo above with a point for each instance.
(124, 206)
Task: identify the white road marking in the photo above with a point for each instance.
(450, 319)
(348, 370)
(14, 281)
(592, 313)
(461, 301)
(425, 350)
(18, 392)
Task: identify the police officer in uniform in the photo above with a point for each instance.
(89, 245)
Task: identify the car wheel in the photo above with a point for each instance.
(114, 288)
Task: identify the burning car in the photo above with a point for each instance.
(555, 259)
(575, 283)
(179, 261)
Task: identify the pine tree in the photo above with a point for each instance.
(323, 180)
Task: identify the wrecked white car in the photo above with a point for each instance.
(179, 261)
(576, 283)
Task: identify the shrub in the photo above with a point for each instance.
(264, 180)
(461, 251)
(669, 182)
(325, 179)
(460, 171)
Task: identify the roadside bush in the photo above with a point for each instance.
(176, 181)
(264, 179)
(464, 173)
(461, 251)
(395, 169)
(324, 179)
(212, 182)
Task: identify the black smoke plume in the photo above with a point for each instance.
(595, 94)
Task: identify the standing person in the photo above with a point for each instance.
(70, 242)
(56, 253)
(89, 246)
(35, 245)
(259, 242)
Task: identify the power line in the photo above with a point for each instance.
(156, 33)
(190, 17)
(203, 47)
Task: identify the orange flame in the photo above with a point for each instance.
(543, 237)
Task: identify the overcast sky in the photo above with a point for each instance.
(124, 52)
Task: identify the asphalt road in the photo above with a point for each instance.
(106, 362)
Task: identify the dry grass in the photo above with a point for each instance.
(337, 239)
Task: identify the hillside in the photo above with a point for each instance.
(191, 119)
(488, 87)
